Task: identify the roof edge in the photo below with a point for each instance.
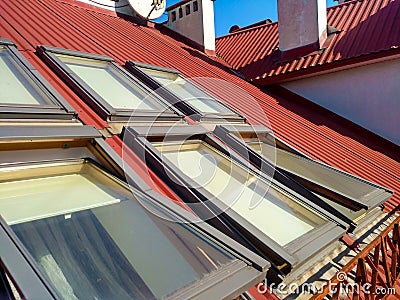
(332, 67)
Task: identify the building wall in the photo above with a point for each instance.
(367, 95)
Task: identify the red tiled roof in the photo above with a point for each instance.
(367, 27)
(313, 130)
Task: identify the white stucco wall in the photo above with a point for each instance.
(198, 25)
(367, 95)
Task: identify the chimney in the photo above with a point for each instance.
(302, 26)
(194, 19)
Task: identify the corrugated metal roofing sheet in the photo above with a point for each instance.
(62, 24)
(366, 27)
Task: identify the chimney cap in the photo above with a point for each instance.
(234, 28)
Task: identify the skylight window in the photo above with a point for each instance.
(24, 92)
(188, 91)
(103, 78)
(348, 194)
(229, 182)
(15, 87)
(111, 91)
(90, 237)
(184, 94)
(281, 224)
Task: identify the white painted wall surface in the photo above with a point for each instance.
(198, 25)
(367, 95)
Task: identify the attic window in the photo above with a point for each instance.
(75, 211)
(173, 16)
(187, 9)
(88, 235)
(195, 6)
(99, 221)
(24, 92)
(194, 156)
(15, 86)
(353, 197)
(202, 170)
(180, 12)
(183, 93)
(111, 91)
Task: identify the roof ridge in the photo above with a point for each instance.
(246, 29)
(88, 7)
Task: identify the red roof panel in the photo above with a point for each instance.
(366, 27)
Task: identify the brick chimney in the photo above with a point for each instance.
(194, 19)
(302, 26)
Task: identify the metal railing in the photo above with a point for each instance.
(377, 268)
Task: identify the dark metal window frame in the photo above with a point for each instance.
(249, 269)
(56, 108)
(284, 258)
(175, 100)
(264, 134)
(98, 103)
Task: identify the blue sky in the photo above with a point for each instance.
(242, 12)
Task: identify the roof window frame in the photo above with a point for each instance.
(105, 110)
(249, 269)
(57, 107)
(227, 133)
(140, 139)
(175, 100)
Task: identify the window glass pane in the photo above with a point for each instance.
(188, 92)
(351, 214)
(229, 182)
(318, 174)
(15, 86)
(93, 240)
(106, 81)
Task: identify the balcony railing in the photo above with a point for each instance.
(375, 270)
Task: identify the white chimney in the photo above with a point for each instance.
(194, 19)
(302, 25)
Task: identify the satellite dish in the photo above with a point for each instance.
(148, 9)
